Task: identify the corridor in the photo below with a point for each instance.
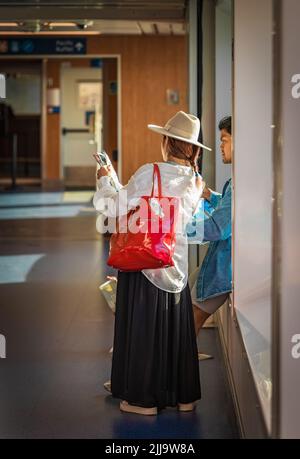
(59, 330)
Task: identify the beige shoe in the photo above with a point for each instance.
(204, 356)
(107, 386)
(126, 407)
(186, 406)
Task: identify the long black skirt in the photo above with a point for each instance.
(155, 358)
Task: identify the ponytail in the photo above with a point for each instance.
(184, 150)
(194, 158)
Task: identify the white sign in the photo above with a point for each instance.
(89, 93)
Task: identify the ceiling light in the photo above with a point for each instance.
(62, 24)
(9, 24)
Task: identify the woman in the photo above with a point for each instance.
(155, 361)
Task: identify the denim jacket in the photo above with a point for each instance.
(215, 277)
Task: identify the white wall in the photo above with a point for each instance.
(253, 186)
(289, 324)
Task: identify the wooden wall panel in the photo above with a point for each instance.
(52, 155)
(149, 66)
(110, 109)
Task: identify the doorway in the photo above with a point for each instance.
(89, 118)
(20, 140)
(49, 153)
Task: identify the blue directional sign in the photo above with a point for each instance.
(15, 46)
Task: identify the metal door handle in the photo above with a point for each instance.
(66, 131)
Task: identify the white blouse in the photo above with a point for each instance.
(178, 181)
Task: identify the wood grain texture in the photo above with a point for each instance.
(110, 109)
(149, 66)
(52, 155)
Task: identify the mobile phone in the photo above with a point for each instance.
(103, 159)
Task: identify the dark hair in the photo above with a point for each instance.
(225, 123)
(184, 150)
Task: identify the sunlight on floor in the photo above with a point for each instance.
(45, 205)
(14, 269)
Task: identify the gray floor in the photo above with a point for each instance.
(58, 331)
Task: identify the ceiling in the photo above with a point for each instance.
(126, 17)
(89, 27)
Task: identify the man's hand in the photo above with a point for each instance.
(206, 193)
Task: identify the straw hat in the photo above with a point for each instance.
(182, 126)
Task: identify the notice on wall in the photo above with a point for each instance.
(89, 93)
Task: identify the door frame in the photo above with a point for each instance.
(42, 120)
(44, 58)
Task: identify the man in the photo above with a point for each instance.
(213, 283)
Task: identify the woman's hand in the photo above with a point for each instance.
(104, 171)
(200, 184)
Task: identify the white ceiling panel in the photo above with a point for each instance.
(178, 28)
(117, 27)
(164, 28)
(147, 28)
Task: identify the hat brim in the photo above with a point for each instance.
(163, 131)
